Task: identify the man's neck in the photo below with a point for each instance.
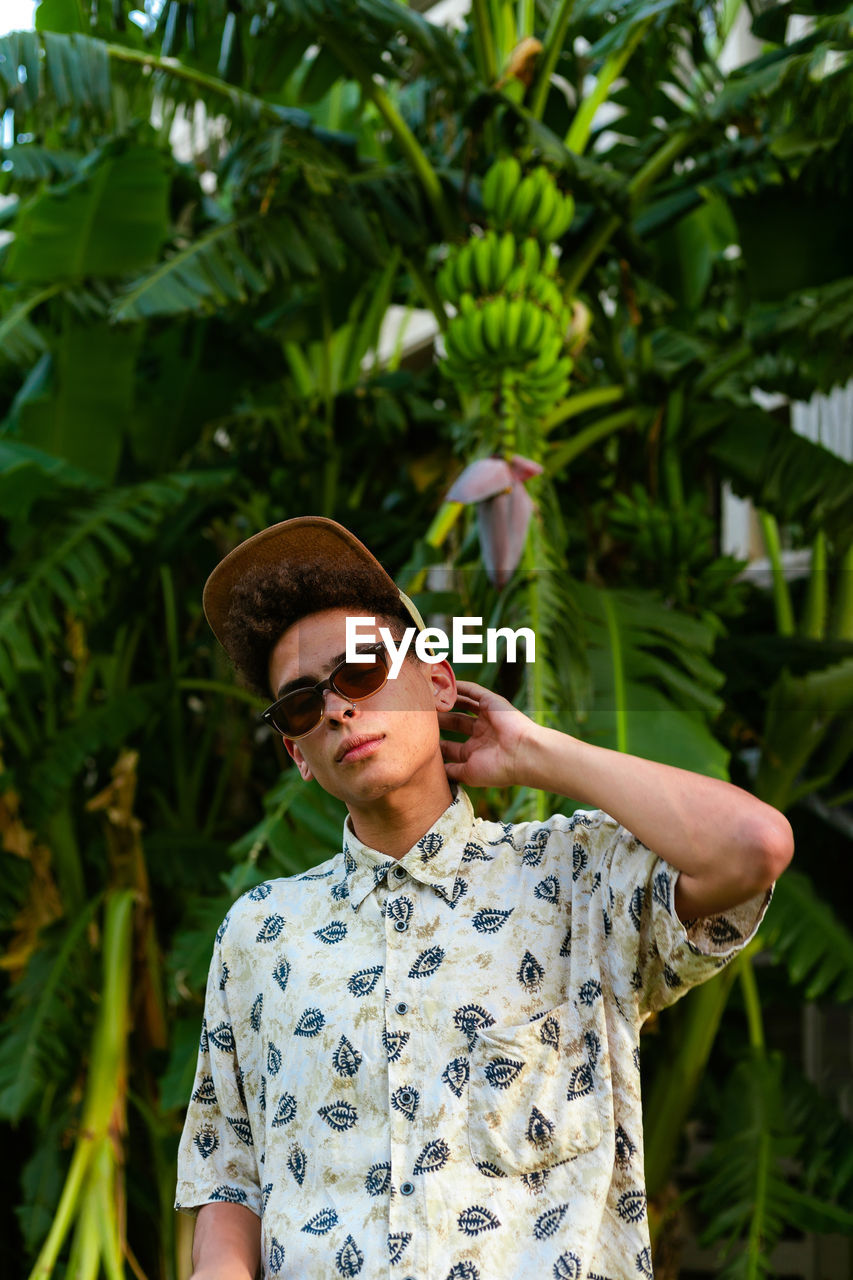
(393, 823)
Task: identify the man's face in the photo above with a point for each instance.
(396, 728)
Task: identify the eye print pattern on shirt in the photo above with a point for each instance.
(430, 1066)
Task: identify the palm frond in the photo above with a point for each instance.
(28, 475)
(300, 825)
(827, 1157)
(41, 72)
(673, 350)
(212, 271)
(786, 73)
(783, 472)
(110, 220)
(430, 40)
(734, 167)
(334, 365)
(809, 938)
(263, 166)
(808, 733)
(103, 727)
(651, 679)
(808, 334)
(189, 960)
(38, 1041)
(20, 340)
(49, 73)
(629, 15)
(41, 1179)
(21, 81)
(230, 263)
(290, 807)
(381, 24)
(555, 608)
(396, 198)
(29, 162)
(82, 550)
(176, 1082)
(747, 1190)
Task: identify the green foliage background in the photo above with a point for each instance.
(184, 358)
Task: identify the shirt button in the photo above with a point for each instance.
(400, 926)
(402, 1008)
(406, 1097)
(399, 873)
(407, 1188)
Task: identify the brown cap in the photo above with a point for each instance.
(311, 539)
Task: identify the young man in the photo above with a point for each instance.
(421, 1059)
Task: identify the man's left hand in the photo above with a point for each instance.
(497, 736)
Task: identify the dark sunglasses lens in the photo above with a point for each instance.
(299, 712)
(360, 679)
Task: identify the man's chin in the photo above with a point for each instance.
(372, 779)
(372, 789)
(362, 787)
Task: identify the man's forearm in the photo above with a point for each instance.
(227, 1243)
(727, 843)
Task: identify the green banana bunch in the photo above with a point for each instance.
(495, 336)
(539, 393)
(481, 266)
(535, 268)
(509, 339)
(499, 185)
(511, 323)
(531, 205)
(548, 295)
(502, 332)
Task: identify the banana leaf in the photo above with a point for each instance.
(108, 220)
(808, 734)
(782, 472)
(652, 679)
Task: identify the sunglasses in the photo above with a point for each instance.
(299, 712)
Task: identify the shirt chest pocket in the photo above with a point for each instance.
(531, 1095)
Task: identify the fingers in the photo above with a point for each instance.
(455, 722)
(470, 689)
(466, 704)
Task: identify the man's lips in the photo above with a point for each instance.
(357, 748)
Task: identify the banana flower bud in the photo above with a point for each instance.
(504, 508)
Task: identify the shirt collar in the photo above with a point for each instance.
(434, 859)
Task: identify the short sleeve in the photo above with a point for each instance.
(216, 1157)
(652, 953)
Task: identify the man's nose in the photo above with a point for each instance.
(337, 706)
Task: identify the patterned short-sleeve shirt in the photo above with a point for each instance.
(430, 1067)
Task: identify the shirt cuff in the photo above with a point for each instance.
(722, 935)
(190, 1197)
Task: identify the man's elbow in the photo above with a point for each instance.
(772, 850)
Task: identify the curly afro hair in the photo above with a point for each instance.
(267, 601)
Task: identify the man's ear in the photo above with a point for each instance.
(443, 685)
(292, 749)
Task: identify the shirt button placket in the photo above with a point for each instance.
(401, 949)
